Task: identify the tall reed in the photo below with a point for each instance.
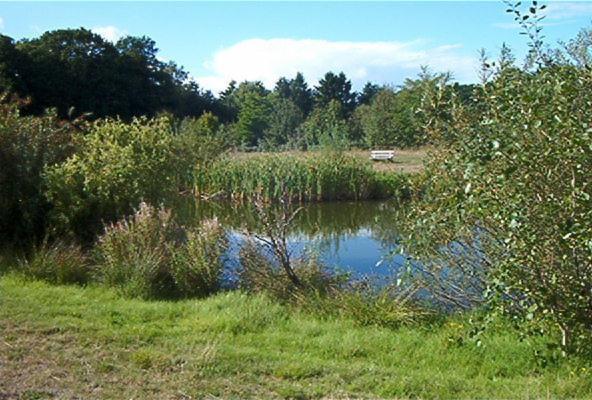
(316, 177)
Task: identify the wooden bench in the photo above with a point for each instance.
(382, 155)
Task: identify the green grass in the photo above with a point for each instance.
(66, 342)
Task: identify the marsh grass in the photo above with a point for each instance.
(323, 177)
(148, 255)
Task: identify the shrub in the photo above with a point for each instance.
(57, 263)
(27, 146)
(149, 256)
(513, 186)
(117, 166)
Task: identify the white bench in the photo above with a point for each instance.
(382, 154)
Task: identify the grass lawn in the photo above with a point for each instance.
(70, 342)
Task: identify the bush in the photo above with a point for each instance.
(513, 187)
(327, 293)
(149, 256)
(117, 166)
(57, 263)
(27, 146)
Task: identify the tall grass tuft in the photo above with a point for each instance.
(316, 177)
(59, 263)
(149, 256)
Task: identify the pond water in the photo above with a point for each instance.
(357, 237)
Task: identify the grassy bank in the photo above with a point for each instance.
(68, 342)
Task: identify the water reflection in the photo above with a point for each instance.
(359, 237)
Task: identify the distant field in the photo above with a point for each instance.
(69, 342)
(406, 160)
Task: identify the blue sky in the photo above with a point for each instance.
(384, 42)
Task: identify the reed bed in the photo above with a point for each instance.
(303, 179)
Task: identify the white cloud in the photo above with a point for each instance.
(1, 23)
(268, 59)
(565, 10)
(110, 33)
(556, 13)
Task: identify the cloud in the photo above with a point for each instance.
(556, 13)
(110, 33)
(385, 62)
(1, 23)
(566, 10)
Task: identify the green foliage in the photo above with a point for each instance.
(297, 91)
(514, 185)
(385, 307)
(57, 263)
(197, 266)
(199, 141)
(326, 127)
(27, 146)
(283, 123)
(253, 105)
(335, 87)
(116, 166)
(392, 118)
(75, 70)
(368, 92)
(317, 177)
(149, 256)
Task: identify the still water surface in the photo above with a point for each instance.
(358, 237)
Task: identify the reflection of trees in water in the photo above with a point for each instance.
(324, 222)
(319, 230)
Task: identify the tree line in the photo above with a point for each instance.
(78, 72)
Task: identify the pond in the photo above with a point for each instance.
(357, 237)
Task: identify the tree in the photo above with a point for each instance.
(28, 145)
(368, 92)
(10, 60)
(70, 68)
(510, 186)
(391, 120)
(251, 99)
(338, 88)
(78, 72)
(297, 91)
(283, 123)
(326, 126)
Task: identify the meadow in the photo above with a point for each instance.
(72, 342)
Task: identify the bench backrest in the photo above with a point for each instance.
(382, 154)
